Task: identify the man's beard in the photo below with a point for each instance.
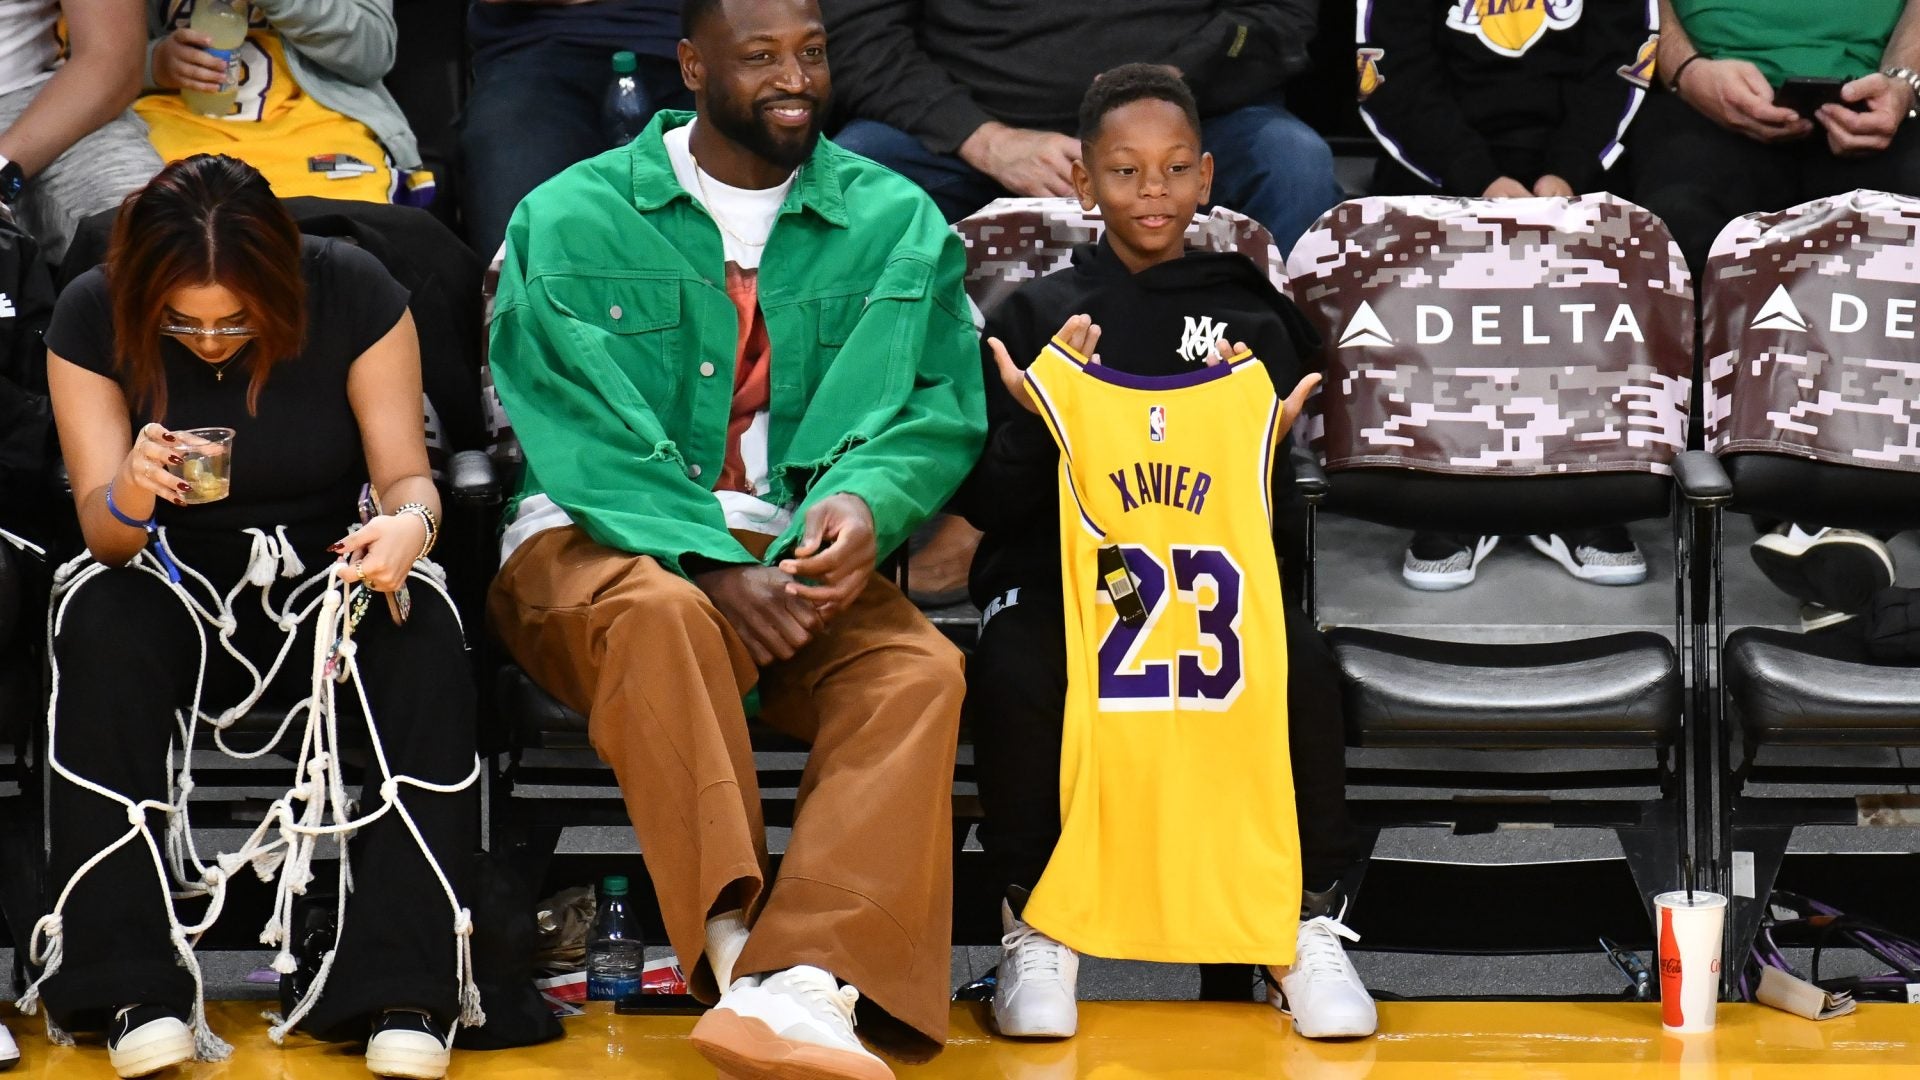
(749, 127)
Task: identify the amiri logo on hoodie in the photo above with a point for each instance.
(1511, 27)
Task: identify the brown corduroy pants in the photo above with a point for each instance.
(865, 890)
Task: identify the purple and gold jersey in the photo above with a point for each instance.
(1179, 841)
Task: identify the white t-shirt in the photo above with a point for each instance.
(28, 48)
(745, 217)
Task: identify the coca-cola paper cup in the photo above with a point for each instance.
(1689, 954)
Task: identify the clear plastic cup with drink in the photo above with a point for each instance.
(1691, 925)
(206, 463)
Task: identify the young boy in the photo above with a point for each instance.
(1134, 298)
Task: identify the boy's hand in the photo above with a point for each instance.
(1506, 187)
(1080, 333)
(1297, 401)
(1224, 353)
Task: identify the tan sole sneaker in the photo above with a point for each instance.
(745, 1048)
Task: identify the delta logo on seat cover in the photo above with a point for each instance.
(1511, 27)
(1510, 337)
(1813, 332)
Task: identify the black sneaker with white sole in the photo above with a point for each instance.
(1603, 556)
(407, 1043)
(1838, 569)
(144, 1039)
(1439, 562)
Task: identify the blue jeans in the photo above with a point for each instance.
(1267, 164)
(534, 111)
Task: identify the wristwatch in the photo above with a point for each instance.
(1912, 79)
(12, 180)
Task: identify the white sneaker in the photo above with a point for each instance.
(1322, 992)
(1033, 995)
(1440, 562)
(145, 1039)
(1603, 556)
(1838, 569)
(9, 1053)
(793, 1025)
(406, 1043)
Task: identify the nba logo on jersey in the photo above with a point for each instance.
(1157, 423)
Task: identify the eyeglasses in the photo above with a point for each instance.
(214, 332)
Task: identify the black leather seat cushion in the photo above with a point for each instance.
(1824, 493)
(1621, 690)
(1796, 688)
(1479, 505)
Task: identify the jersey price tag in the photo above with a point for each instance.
(1116, 579)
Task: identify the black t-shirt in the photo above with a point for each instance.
(297, 461)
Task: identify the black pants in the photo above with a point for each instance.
(127, 657)
(1016, 703)
(1697, 176)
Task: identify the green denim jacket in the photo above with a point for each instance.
(613, 344)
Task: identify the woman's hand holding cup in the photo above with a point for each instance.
(155, 448)
(382, 552)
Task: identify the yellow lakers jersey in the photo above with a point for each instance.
(1179, 841)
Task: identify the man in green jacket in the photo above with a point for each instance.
(684, 537)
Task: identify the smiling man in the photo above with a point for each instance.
(742, 366)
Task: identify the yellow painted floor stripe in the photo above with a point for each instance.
(1165, 1041)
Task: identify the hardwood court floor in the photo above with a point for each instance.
(1166, 1041)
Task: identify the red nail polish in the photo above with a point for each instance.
(167, 435)
(186, 487)
(175, 459)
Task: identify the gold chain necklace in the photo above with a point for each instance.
(700, 180)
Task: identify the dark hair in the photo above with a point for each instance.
(695, 12)
(207, 220)
(1129, 83)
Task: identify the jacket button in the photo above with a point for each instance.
(614, 313)
(693, 472)
(706, 370)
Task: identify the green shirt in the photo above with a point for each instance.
(1831, 39)
(613, 345)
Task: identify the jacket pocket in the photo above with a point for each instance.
(618, 305)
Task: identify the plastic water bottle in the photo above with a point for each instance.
(625, 112)
(225, 21)
(616, 954)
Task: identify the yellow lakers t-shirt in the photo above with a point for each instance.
(1179, 840)
(303, 147)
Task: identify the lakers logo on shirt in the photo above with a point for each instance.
(1640, 72)
(1511, 27)
(1368, 61)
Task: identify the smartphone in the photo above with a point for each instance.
(1805, 95)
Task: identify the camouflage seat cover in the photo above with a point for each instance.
(1519, 337)
(1811, 322)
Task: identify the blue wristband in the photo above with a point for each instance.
(152, 531)
(121, 517)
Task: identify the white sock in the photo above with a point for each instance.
(726, 937)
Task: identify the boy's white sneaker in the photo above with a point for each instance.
(9, 1052)
(1322, 992)
(1033, 995)
(793, 1025)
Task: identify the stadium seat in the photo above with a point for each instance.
(1463, 393)
(1814, 410)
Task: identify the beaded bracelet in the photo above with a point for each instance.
(426, 518)
(152, 531)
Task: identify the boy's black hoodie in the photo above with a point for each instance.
(1161, 321)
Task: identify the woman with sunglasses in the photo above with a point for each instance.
(212, 309)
